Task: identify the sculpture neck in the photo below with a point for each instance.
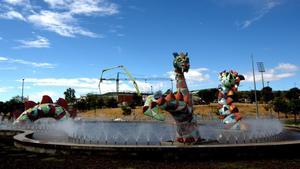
(180, 80)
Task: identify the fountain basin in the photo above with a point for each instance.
(278, 149)
(87, 137)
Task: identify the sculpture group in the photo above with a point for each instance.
(178, 104)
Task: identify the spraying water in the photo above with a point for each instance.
(146, 133)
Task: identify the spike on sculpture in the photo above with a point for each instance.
(179, 105)
(228, 112)
(46, 108)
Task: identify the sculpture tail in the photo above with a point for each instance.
(151, 109)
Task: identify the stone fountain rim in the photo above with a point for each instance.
(25, 138)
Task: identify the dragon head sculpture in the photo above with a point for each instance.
(181, 62)
(230, 79)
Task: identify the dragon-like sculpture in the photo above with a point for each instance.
(228, 112)
(179, 104)
(46, 108)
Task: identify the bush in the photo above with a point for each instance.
(126, 110)
(110, 102)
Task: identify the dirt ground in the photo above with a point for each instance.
(13, 158)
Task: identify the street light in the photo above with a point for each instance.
(261, 69)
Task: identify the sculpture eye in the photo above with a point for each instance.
(179, 60)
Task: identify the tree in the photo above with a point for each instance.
(267, 94)
(81, 105)
(94, 101)
(208, 95)
(1, 106)
(280, 105)
(252, 95)
(293, 94)
(111, 102)
(70, 95)
(294, 107)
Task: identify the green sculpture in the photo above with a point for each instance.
(179, 104)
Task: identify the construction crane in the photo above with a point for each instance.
(126, 72)
(118, 79)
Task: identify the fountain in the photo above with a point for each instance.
(156, 139)
(264, 136)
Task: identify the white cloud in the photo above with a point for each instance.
(85, 7)
(39, 42)
(194, 75)
(37, 96)
(63, 24)
(5, 89)
(34, 64)
(286, 67)
(282, 71)
(3, 58)
(90, 85)
(88, 7)
(16, 2)
(12, 15)
(268, 5)
(24, 62)
(60, 16)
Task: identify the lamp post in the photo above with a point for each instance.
(254, 83)
(22, 97)
(261, 69)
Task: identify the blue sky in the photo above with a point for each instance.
(56, 44)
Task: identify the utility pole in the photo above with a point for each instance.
(255, 95)
(172, 84)
(22, 97)
(117, 83)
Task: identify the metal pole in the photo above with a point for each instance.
(22, 97)
(117, 83)
(172, 85)
(255, 95)
(262, 79)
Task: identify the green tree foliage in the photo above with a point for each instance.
(208, 95)
(82, 105)
(13, 105)
(111, 102)
(267, 94)
(252, 95)
(93, 101)
(1, 106)
(294, 107)
(280, 105)
(126, 110)
(70, 95)
(293, 94)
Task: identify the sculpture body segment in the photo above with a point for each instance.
(228, 112)
(46, 108)
(179, 105)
